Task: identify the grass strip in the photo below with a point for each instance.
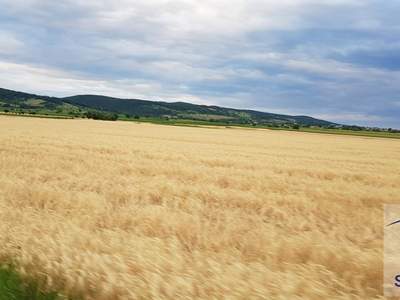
(12, 287)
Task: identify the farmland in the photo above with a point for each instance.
(122, 210)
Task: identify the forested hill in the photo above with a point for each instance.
(143, 108)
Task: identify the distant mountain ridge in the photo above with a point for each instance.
(144, 108)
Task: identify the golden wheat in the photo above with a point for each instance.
(119, 210)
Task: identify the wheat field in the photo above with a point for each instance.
(121, 210)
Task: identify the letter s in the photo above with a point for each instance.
(397, 279)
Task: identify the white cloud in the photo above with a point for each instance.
(9, 43)
(348, 117)
(60, 83)
(53, 82)
(181, 17)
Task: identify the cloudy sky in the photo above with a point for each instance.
(333, 59)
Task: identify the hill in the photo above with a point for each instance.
(81, 104)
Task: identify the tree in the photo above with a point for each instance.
(100, 115)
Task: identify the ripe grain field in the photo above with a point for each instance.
(120, 210)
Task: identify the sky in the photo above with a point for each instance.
(337, 60)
